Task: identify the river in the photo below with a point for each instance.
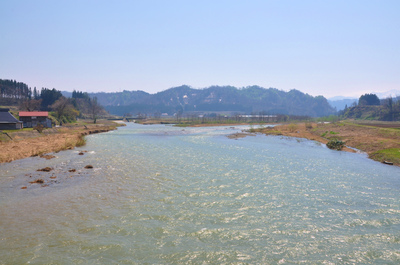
(166, 195)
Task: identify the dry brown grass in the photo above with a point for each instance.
(300, 132)
(366, 138)
(36, 144)
(369, 138)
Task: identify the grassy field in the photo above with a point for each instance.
(390, 155)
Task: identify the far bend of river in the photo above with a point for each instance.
(166, 195)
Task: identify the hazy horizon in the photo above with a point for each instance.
(382, 95)
(330, 48)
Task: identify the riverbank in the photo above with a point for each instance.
(381, 141)
(26, 143)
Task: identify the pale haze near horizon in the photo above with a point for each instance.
(329, 48)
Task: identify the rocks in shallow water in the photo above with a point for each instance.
(55, 176)
(38, 181)
(81, 154)
(46, 169)
(47, 156)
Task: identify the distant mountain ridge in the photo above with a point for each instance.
(340, 104)
(252, 99)
(391, 93)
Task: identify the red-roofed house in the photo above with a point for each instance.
(33, 118)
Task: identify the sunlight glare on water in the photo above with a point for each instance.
(166, 195)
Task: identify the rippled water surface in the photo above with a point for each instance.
(166, 195)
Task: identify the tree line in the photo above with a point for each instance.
(369, 106)
(13, 91)
(63, 109)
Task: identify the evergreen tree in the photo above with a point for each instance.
(49, 96)
(369, 99)
(12, 92)
(36, 94)
(79, 94)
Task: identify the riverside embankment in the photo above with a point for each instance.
(26, 143)
(380, 140)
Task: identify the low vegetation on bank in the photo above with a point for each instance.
(380, 140)
(18, 144)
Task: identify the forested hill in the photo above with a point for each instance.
(253, 99)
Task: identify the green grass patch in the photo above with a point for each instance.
(389, 155)
(330, 133)
(184, 124)
(389, 132)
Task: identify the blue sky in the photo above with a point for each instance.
(327, 48)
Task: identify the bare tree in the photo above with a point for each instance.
(388, 103)
(31, 105)
(64, 109)
(157, 115)
(179, 115)
(95, 109)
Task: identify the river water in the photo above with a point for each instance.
(165, 195)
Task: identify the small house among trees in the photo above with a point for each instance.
(8, 121)
(33, 118)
